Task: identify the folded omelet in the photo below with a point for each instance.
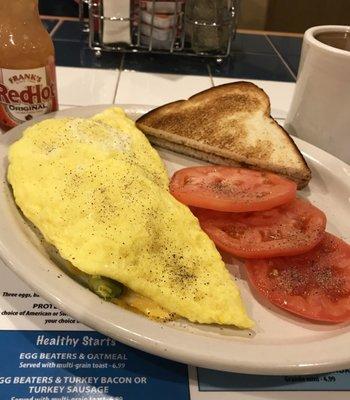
(97, 191)
(141, 153)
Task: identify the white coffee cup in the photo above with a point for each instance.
(320, 110)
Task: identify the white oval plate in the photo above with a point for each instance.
(280, 344)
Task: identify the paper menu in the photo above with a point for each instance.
(212, 385)
(47, 355)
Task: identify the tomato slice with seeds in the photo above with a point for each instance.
(290, 229)
(231, 189)
(314, 285)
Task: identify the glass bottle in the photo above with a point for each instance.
(27, 64)
(208, 25)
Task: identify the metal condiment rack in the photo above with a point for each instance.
(178, 43)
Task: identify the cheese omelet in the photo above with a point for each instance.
(97, 191)
(141, 152)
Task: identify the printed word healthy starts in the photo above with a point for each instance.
(67, 340)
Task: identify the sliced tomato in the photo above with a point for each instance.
(231, 189)
(290, 229)
(314, 285)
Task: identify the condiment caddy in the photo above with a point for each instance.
(187, 27)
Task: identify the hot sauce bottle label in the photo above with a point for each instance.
(26, 93)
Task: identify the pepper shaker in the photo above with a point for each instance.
(208, 25)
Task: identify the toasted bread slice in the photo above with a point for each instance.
(228, 124)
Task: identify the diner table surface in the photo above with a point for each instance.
(268, 59)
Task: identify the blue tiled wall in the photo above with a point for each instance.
(289, 48)
(66, 8)
(253, 56)
(49, 24)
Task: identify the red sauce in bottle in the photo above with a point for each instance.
(27, 64)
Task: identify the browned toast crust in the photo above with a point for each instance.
(202, 127)
(300, 180)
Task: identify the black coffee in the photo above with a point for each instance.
(340, 40)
